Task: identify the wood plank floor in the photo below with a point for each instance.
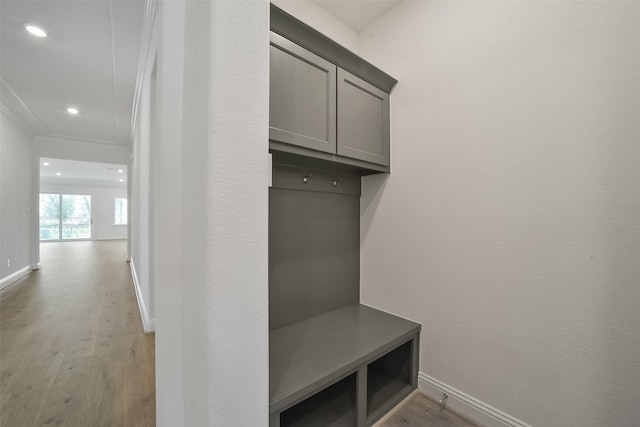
(72, 348)
(420, 411)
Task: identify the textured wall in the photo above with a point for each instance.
(16, 181)
(312, 15)
(225, 213)
(170, 394)
(509, 225)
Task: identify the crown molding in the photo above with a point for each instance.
(16, 120)
(41, 129)
(146, 45)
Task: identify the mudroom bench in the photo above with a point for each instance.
(346, 367)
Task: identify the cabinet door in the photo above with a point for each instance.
(302, 97)
(363, 120)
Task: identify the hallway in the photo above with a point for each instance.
(72, 348)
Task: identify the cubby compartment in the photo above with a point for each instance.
(334, 406)
(388, 378)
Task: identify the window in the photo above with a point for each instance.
(65, 216)
(121, 212)
(49, 216)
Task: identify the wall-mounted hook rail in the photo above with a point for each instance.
(307, 179)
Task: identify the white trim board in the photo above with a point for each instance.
(6, 281)
(465, 405)
(149, 325)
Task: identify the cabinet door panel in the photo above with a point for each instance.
(302, 97)
(363, 120)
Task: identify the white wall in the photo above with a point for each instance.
(225, 213)
(140, 206)
(16, 202)
(210, 160)
(509, 225)
(170, 350)
(102, 207)
(141, 182)
(320, 20)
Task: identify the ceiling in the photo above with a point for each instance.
(82, 173)
(357, 14)
(88, 61)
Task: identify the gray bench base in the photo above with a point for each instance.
(347, 367)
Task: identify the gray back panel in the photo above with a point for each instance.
(314, 254)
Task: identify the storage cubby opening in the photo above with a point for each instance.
(388, 376)
(334, 406)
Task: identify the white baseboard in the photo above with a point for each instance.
(149, 325)
(465, 405)
(6, 281)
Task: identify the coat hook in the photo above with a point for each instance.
(336, 182)
(305, 179)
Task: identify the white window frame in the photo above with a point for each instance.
(115, 211)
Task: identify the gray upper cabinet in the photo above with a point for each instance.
(327, 105)
(302, 101)
(363, 120)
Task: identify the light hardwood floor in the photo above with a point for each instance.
(72, 348)
(420, 411)
(73, 353)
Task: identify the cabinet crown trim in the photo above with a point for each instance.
(309, 38)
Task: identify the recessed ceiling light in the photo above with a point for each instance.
(122, 180)
(45, 164)
(120, 171)
(58, 173)
(36, 31)
(72, 110)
